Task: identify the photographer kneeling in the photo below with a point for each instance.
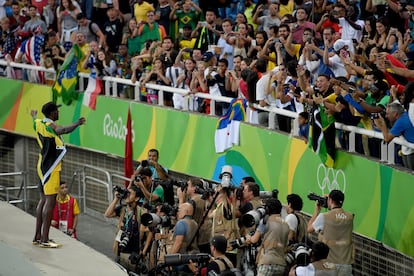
(220, 262)
(127, 240)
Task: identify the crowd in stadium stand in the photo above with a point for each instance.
(351, 57)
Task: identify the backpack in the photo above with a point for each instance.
(168, 187)
(301, 233)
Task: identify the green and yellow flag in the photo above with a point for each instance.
(67, 78)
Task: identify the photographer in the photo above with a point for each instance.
(335, 228)
(153, 194)
(220, 262)
(199, 204)
(274, 232)
(127, 241)
(157, 170)
(296, 222)
(184, 231)
(318, 265)
(249, 200)
(224, 219)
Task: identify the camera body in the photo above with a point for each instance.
(238, 243)
(122, 192)
(322, 200)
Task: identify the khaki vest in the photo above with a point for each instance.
(204, 234)
(191, 231)
(337, 234)
(324, 268)
(275, 241)
(222, 226)
(222, 262)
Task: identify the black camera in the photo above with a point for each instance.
(322, 200)
(253, 217)
(181, 184)
(169, 210)
(122, 192)
(124, 241)
(179, 259)
(238, 243)
(239, 192)
(272, 194)
(377, 115)
(144, 163)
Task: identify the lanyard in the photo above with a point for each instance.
(60, 211)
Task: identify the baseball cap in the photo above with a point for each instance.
(381, 85)
(340, 43)
(337, 196)
(207, 56)
(49, 107)
(220, 243)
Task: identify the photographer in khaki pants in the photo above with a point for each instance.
(127, 241)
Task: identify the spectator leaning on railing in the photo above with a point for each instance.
(401, 126)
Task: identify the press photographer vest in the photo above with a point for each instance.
(204, 234)
(324, 268)
(275, 241)
(191, 231)
(223, 226)
(337, 234)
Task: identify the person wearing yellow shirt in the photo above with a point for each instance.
(141, 8)
(65, 214)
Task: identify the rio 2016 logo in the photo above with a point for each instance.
(330, 179)
(116, 128)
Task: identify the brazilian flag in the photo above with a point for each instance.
(67, 78)
(322, 135)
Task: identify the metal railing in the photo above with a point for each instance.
(387, 149)
(21, 196)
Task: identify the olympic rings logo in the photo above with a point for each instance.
(330, 179)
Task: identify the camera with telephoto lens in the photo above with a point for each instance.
(121, 192)
(272, 194)
(180, 259)
(124, 241)
(253, 217)
(238, 243)
(298, 254)
(322, 200)
(152, 220)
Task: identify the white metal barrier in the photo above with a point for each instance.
(21, 196)
(387, 150)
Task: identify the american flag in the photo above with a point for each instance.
(32, 48)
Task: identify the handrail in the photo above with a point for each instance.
(107, 183)
(387, 151)
(23, 187)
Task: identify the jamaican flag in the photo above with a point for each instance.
(52, 149)
(322, 135)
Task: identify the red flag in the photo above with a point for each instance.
(128, 168)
